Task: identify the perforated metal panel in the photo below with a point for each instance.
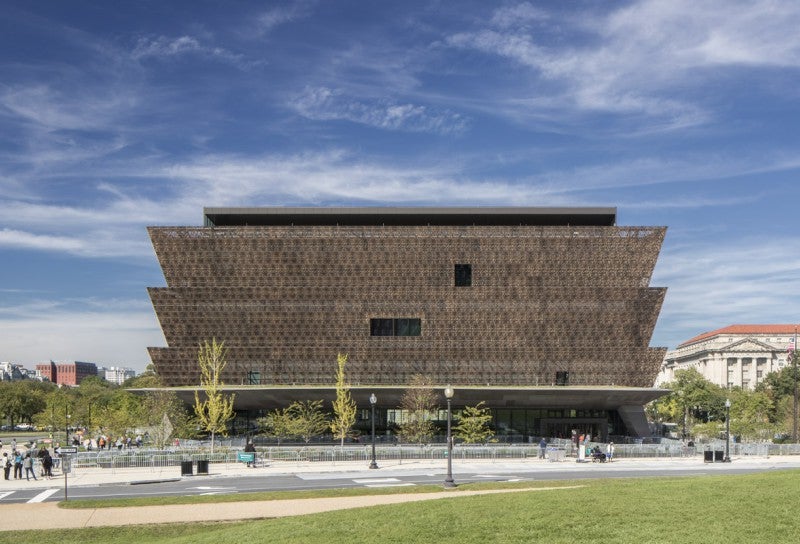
(285, 299)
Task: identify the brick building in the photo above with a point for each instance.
(66, 372)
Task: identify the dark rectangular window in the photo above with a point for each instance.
(395, 327)
(381, 327)
(463, 275)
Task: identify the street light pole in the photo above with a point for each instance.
(727, 431)
(372, 401)
(448, 482)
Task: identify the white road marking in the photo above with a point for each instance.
(390, 485)
(43, 495)
(5, 494)
(217, 493)
(376, 480)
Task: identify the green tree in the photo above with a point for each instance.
(473, 424)
(344, 407)
(21, 401)
(216, 410)
(307, 419)
(418, 406)
(164, 414)
(693, 399)
(277, 424)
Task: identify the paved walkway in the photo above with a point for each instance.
(48, 515)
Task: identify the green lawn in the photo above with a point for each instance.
(710, 509)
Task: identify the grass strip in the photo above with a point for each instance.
(729, 509)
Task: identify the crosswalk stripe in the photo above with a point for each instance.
(43, 495)
(376, 480)
(5, 494)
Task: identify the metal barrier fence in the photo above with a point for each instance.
(557, 450)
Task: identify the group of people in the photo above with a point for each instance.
(106, 442)
(19, 460)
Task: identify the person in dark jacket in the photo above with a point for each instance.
(47, 465)
(250, 448)
(6, 466)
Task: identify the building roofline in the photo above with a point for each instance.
(411, 216)
(743, 329)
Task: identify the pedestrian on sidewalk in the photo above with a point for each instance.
(28, 464)
(610, 451)
(542, 448)
(6, 466)
(17, 465)
(47, 465)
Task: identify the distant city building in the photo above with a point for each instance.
(14, 372)
(117, 375)
(734, 356)
(66, 372)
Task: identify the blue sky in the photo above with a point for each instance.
(119, 115)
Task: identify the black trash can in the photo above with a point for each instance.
(202, 466)
(708, 456)
(186, 468)
(719, 456)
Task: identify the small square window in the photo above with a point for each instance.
(463, 275)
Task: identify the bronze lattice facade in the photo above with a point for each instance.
(487, 297)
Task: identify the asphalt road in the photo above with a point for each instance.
(368, 478)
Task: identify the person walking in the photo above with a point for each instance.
(542, 448)
(28, 464)
(610, 451)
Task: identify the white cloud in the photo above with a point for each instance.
(711, 286)
(53, 109)
(634, 56)
(518, 15)
(322, 103)
(16, 238)
(163, 47)
(280, 15)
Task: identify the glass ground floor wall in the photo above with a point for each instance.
(516, 425)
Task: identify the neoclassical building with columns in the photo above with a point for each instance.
(733, 356)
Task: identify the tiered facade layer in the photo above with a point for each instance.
(286, 299)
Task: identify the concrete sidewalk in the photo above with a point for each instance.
(49, 515)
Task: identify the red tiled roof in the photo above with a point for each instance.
(744, 329)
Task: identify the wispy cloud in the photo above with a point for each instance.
(175, 192)
(163, 47)
(280, 15)
(716, 285)
(16, 238)
(322, 103)
(635, 56)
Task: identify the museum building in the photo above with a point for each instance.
(544, 314)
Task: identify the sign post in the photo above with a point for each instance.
(66, 465)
